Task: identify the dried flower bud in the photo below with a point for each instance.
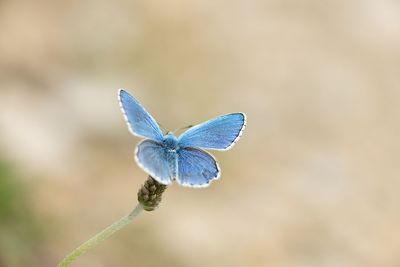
(149, 194)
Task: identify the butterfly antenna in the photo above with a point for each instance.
(187, 127)
(162, 127)
(183, 128)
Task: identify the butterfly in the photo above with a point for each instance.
(167, 157)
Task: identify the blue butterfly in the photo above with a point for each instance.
(167, 158)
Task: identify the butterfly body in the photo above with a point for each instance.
(170, 142)
(167, 157)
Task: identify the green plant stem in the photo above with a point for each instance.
(106, 233)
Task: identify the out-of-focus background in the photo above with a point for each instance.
(314, 181)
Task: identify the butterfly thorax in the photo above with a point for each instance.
(170, 142)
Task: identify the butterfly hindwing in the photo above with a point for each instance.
(196, 168)
(220, 133)
(139, 121)
(156, 161)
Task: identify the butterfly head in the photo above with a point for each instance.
(170, 142)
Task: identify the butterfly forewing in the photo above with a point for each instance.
(139, 121)
(220, 133)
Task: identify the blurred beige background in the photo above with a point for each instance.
(314, 181)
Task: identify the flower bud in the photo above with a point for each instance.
(149, 194)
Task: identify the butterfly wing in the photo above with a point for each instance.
(196, 168)
(220, 133)
(139, 121)
(156, 161)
